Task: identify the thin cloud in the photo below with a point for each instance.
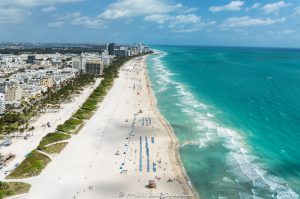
(76, 18)
(133, 8)
(12, 15)
(33, 3)
(175, 17)
(297, 11)
(288, 31)
(274, 8)
(56, 24)
(249, 22)
(232, 6)
(17, 11)
(48, 9)
(87, 21)
(254, 6)
(178, 23)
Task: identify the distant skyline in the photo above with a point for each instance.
(173, 22)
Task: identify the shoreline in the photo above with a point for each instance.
(174, 144)
(106, 154)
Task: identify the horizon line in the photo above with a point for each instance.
(183, 45)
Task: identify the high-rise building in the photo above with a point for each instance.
(94, 67)
(111, 48)
(31, 59)
(76, 63)
(2, 103)
(3, 87)
(13, 94)
(122, 53)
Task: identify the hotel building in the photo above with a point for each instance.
(2, 103)
(94, 67)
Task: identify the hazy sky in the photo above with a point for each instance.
(196, 22)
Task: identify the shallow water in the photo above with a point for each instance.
(236, 113)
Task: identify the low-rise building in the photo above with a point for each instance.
(30, 92)
(48, 82)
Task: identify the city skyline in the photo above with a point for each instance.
(171, 22)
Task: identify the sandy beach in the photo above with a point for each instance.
(124, 145)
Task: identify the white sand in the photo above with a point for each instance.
(88, 167)
(20, 147)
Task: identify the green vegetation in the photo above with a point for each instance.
(15, 120)
(81, 115)
(78, 128)
(13, 188)
(68, 88)
(31, 166)
(55, 148)
(52, 138)
(69, 125)
(52, 50)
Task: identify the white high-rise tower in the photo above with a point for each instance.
(2, 103)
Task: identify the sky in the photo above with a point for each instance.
(269, 23)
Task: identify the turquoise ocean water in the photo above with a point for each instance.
(236, 113)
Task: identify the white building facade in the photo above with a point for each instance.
(13, 94)
(2, 103)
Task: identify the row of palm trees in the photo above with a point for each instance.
(19, 120)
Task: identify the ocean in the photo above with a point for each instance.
(236, 114)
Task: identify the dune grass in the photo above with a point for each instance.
(78, 129)
(55, 148)
(31, 166)
(69, 125)
(51, 138)
(13, 188)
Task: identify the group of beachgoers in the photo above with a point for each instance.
(146, 120)
(129, 140)
(137, 87)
